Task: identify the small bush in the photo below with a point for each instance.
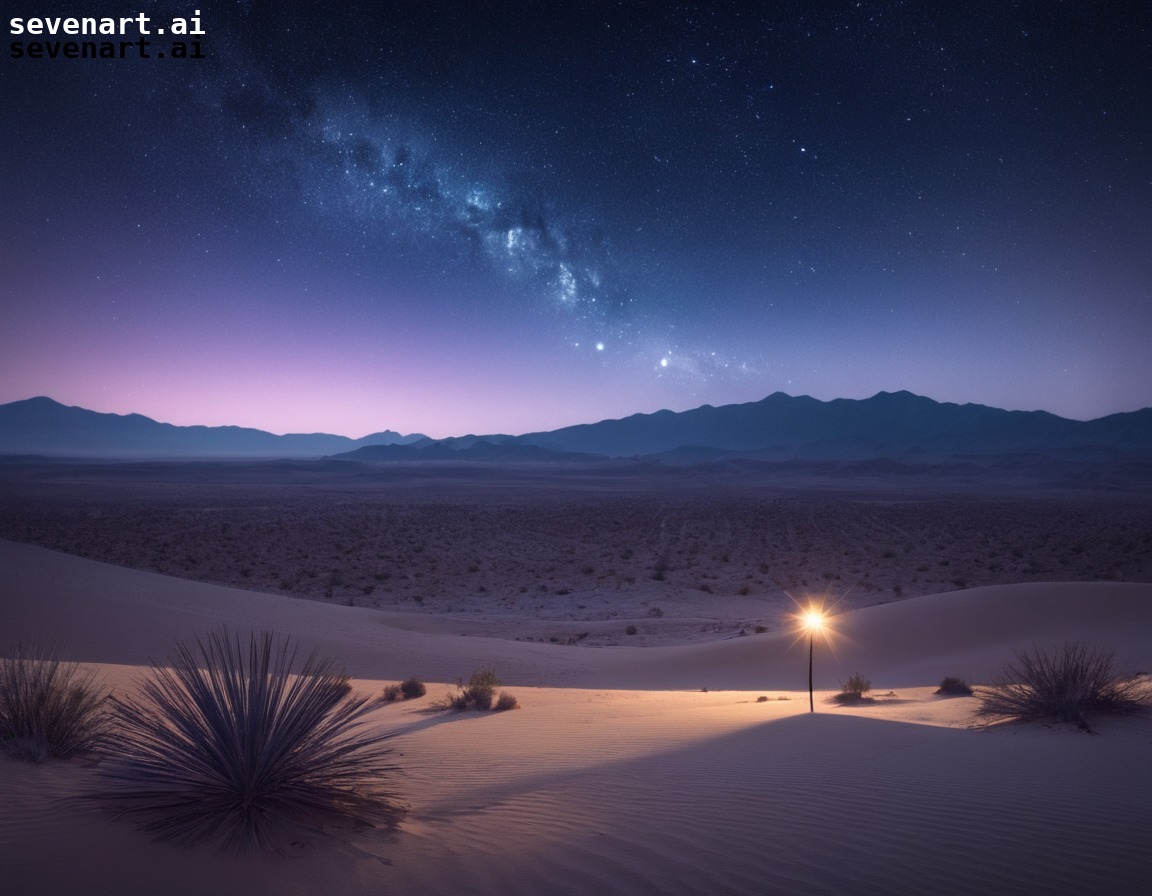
(48, 709)
(227, 743)
(391, 693)
(630, 630)
(481, 689)
(1066, 685)
(506, 701)
(954, 687)
(854, 689)
(479, 693)
(456, 702)
(412, 688)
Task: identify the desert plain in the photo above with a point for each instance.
(645, 622)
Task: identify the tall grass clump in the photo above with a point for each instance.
(228, 744)
(48, 708)
(1066, 684)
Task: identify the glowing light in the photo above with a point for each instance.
(663, 362)
(599, 346)
(813, 619)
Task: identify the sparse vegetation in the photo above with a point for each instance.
(1066, 684)
(481, 689)
(48, 708)
(391, 693)
(479, 693)
(412, 688)
(296, 542)
(507, 700)
(228, 744)
(954, 687)
(854, 689)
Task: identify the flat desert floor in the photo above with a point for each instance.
(643, 763)
(571, 555)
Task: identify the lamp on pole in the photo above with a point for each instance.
(814, 622)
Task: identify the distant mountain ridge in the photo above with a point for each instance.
(42, 426)
(897, 426)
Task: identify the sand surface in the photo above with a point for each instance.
(620, 773)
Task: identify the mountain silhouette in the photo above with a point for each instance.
(897, 426)
(42, 426)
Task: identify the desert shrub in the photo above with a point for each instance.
(479, 693)
(630, 630)
(456, 702)
(48, 708)
(507, 700)
(1066, 684)
(481, 689)
(391, 693)
(954, 687)
(228, 744)
(854, 689)
(412, 688)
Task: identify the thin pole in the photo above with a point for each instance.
(811, 703)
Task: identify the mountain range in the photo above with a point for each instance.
(897, 426)
(42, 426)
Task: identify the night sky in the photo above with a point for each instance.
(506, 217)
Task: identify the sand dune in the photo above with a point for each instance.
(620, 775)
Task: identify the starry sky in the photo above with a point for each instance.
(509, 217)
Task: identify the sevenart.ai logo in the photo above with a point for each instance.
(106, 37)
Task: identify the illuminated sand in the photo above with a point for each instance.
(620, 774)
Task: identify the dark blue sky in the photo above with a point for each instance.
(515, 216)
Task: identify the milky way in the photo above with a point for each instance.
(450, 217)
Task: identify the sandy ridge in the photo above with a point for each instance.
(620, 775)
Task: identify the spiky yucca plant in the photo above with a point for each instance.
(48, 708)
(228, 744)
(1066, 684)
